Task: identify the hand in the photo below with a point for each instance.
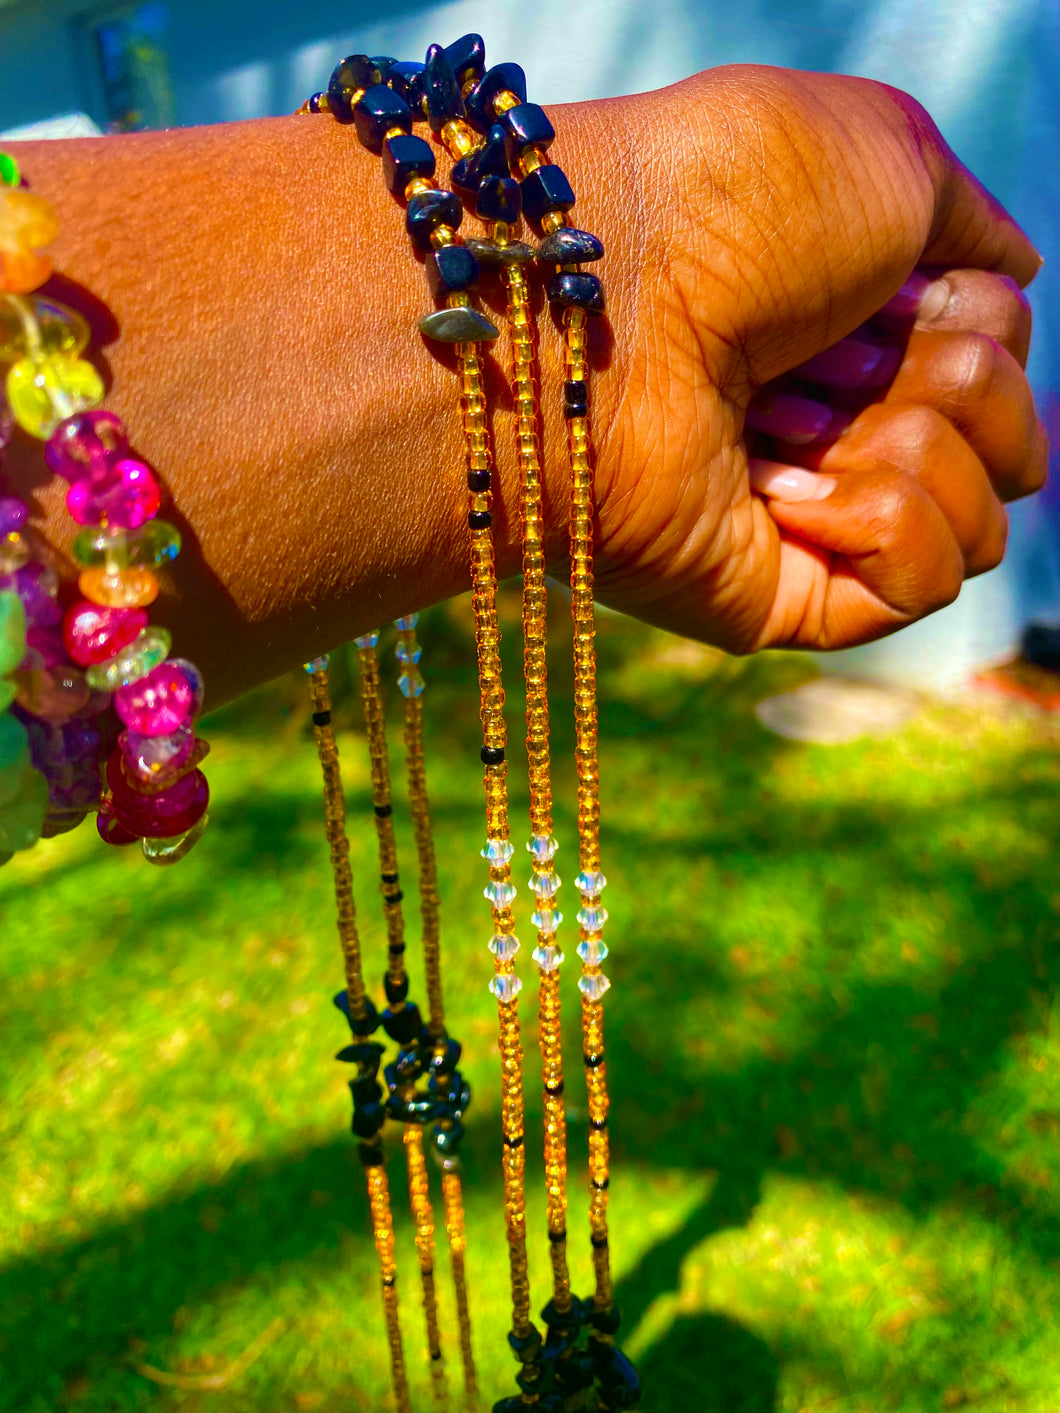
(796, 208)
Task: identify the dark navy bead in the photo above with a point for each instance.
(467, 57)
(490, 160)
(514, 1404)
(569, 288)
(450, 270)
(571, 1319)
(441, 89)
(546, 189)
(447, 1061)
(428, 210)
(478, 481)
(404, 78)
(527, 126)
(462, 325)
(368, 1022)
(353, 75)
(377, 111)
(367, 1090)
(574, 1372)
(460, 178)
(568, 246)
(502, 78)
(406, 157)
(526, 1347)
(606, 1321)
(620, 1382)
(447, 1137)
(403, 1026)
(368, 1120)
(370, 1154)
(396, 991)
(488, 252)
(575, 398)
(367, 1054)
(492, 755)
(479, 520)
(499, 199)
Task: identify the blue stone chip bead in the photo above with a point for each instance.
(406, 157)
(467, 57)
(368, 1119)
(428, 210)
(499, 199)
(546, 189)
(573, 289)
(502, 78)
(620, 1383)
(568, 246)
(491, 159)
(527, 126)
(450, 270)
(403, 1026)
(352, 75)
(368, 1023)
(404, 78)
(377, 111)
(441, 89)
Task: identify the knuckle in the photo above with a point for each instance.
(974, 359)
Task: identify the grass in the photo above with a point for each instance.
(834, 1052)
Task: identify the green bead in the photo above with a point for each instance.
(22, 817)
(155, 542)
(8, 691)
(133, 662)
(42, 392)
(31, 325)
(14, 743)
(12, 631)
(9, 172)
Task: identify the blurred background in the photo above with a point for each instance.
(835, 894)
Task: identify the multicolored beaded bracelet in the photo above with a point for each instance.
(65, 669)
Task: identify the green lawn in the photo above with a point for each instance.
(834, 1059)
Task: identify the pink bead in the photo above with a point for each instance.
(48, 643)
(93, 633)
(125, 497)
(85, 445)
(109, 830)
(159, 703)
(148, 756)
(161, 816)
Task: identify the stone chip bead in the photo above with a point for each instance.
(156, 816)
(568, 246)
(406, 157)
(463, 325)
(488, 252)
(406, 77)
(134, 587)
(153, 543)
(428, 210)
(141, 656)
(546, 189)
(527, 126)
(166, 699)
(42, 392)
(502, 78)
(571, 289)
(499, 199)
(378, 110)
(352, 76)
(467, 58)
(126, 497)
(85, 445)
(441, 89)
(92, 633)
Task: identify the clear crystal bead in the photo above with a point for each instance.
(498, 851)
(319, 664)
(591, 884)
(548, 957)
(500, 895)
(404, 624)
(404, 653)
(504, 946)
(593, 951)
(505, 988)
(411, 684)
(592, 919)
(366, 640)
(546, 919)
(544, 885)
(593, 987)
(542, 847)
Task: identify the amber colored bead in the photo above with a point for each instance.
(135, 587)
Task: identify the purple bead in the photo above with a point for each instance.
(78, 788)
(13, 514)
(195, 682)
(85, 445)
(159, 703)
(126, 497)
(48, 643)
(93, 633)
(38, 588)
(148, 756)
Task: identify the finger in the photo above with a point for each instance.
(893, 557)
(966, 301)
(920, 443)
(971, 227)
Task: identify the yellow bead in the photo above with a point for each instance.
(27, 221)
(128, 588)
(42, 392)
(39, 325)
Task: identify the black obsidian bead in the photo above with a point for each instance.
(406, 157)
(527, 126)
(403, 1026)
(366, 1091)
(441, 89)
(460, 177)
(606, 1321)
(377, 111)
(575, 398)
(368, 1119)
(354, 74)
(367, 1054)
(546, 189)
(467, 57)
(428, 210)
(450, 270)
(478, 481)
(479, 520)
(574, 1372)
(447, 1061)
(404, 78)
(491, 159)
(525, 1347)
(502, 78)
(571, 289)
(370, 1154)
(620, 1383)
(367, 1023)
(499, 199)
(396, 991)
(568, 246)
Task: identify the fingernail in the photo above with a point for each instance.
(789, 483)
(933, 300)
(799, 420)
(851, 364)
(904, 304)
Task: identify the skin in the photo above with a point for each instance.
(257, 302)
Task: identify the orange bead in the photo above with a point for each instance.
(134, 587)
(23, 271)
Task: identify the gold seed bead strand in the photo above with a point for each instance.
(423, 1217)
(411, 684)
(339, 849)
